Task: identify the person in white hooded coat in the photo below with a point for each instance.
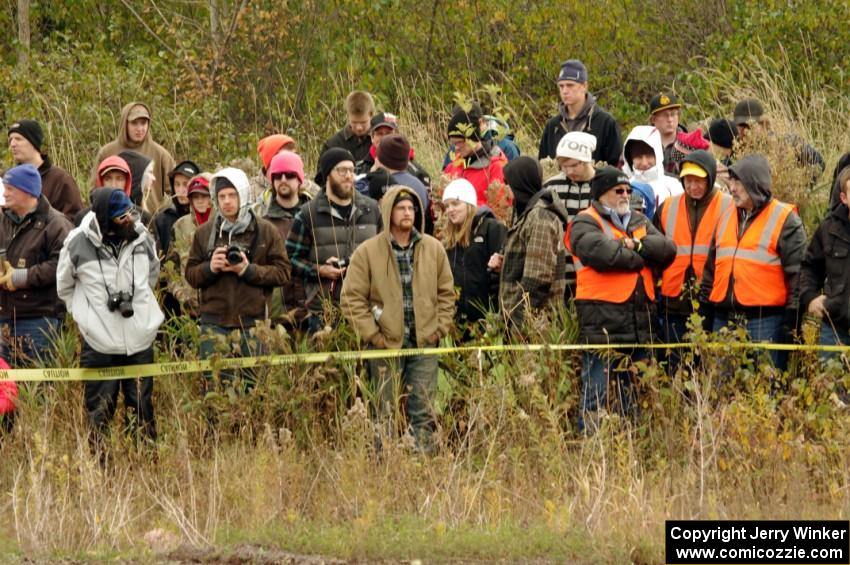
(107, 270)
(643, 162)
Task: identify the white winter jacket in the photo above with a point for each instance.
(664, 186)
(87, 267)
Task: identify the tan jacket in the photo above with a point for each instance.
(163, 161)
(373, 280)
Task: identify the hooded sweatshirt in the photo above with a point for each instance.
(592, 119)
(227, 299)
(163, 161)
(138, 163)
(115, 162)
(754, 172)
(662, 185)
(371, 297)
(695, 209)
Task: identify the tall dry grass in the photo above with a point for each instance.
(292, 464)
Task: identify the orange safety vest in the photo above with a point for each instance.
(753, 260)
(691, 251)
(609, 286)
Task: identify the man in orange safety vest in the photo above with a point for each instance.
(614, 251)
(690, 220)
(751, 275)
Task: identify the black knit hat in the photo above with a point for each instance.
(31, 130)
(722, 132)
(605, 179)
(331, 158)
(464, 123)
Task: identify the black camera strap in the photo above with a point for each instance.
(254, 238)
(132, 291)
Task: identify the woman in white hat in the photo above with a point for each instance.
(473, 238)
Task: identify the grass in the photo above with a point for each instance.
(291, 464)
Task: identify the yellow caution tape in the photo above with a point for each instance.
(182, 367)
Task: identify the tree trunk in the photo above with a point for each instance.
(214, 18)
(23, 33)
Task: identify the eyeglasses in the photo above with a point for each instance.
(621, 191)
(343, 171)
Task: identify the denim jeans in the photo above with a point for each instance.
(599, 369)
(249, 346)
(673, 330)
(32, 341)
(101, 397)
(761, 329)
(830, 335)
(414, 378)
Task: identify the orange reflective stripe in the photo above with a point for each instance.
(611, 286)
(754, 260)
(691, 251)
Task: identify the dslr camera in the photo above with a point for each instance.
(122, 302)
(234, 254)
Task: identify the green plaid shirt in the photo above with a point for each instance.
(404, 257)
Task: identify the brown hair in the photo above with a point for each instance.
(359, 103)
(455, 235)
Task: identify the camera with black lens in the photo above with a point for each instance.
(340, 263)
(234, 255)
(121, 302)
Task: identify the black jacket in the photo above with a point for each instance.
(163, 222)
(826, 267)
(479, 287)
(345, 138)
(630, 321)
(609, 146)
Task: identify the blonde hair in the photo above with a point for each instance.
(359, 103)
(460, 235)
(843, 179)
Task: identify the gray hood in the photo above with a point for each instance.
(754, 172)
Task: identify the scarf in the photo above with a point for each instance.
(242, 223)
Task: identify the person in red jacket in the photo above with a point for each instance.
(8, 400)
(476, 160)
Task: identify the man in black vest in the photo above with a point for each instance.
(326, 232)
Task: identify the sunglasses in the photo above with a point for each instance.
(621, 191)
(287, 176)
(128, 215)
